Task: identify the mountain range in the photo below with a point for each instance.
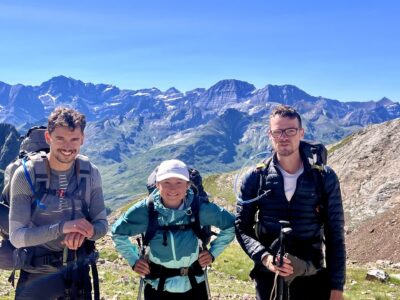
(216, 129)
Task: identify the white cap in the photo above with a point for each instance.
(172, 168)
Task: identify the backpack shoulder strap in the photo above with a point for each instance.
(152, 225)
(195, 221)
(84, 164)
(318, 171)
(83, 172)
(41, 168)
(319, 175)
(41, 183)
(262, 170)
(316, 155)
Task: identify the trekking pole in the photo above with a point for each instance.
(142, 250)
(206, 277)
(207, 283)
(285, 230)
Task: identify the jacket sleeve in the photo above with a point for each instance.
(334, 232)
(131, 223)
(212, 214)
(246, 210)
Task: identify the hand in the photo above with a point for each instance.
(336, 295)
(285, 270)
(81, 226)
(300, 267)
(205, 258)
(73, 240)
(141, 267)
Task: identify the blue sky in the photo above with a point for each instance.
(345, 50)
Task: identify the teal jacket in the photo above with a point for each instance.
(183, 246)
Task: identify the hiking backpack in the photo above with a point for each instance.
(33, 142)
(203, 233)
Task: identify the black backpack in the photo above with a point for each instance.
(204, 233)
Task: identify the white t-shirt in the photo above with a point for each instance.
(290, 181)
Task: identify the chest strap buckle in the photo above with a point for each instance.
(184, 271)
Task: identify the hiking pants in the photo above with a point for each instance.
(198, 293)
(315, 287)
(51, 286)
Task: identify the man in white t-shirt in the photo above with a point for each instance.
(289, 192)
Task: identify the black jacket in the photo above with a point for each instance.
(310, 218)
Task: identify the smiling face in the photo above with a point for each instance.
(64, 147)
(285, 145)
(173, 191)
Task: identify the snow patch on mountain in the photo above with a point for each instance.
(47, 99)
(141, 94)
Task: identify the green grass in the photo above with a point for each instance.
(109, 255)
(234, 262)
(221, 187)
(358, 288)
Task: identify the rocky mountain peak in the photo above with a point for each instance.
(288, 94)
(61, 83)
(240, 88)
(225, 92)
(384, 101)
(172, 91)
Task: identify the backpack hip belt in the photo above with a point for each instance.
(162, 273)
(55, 259)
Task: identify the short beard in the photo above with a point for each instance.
(285, 153)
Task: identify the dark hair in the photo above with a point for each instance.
(285, 111)
(66, 117)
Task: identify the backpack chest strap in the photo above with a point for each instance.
(182, 227)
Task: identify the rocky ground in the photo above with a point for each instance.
(367, 164)
(378, 239)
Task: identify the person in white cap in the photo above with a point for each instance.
(173, 266)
